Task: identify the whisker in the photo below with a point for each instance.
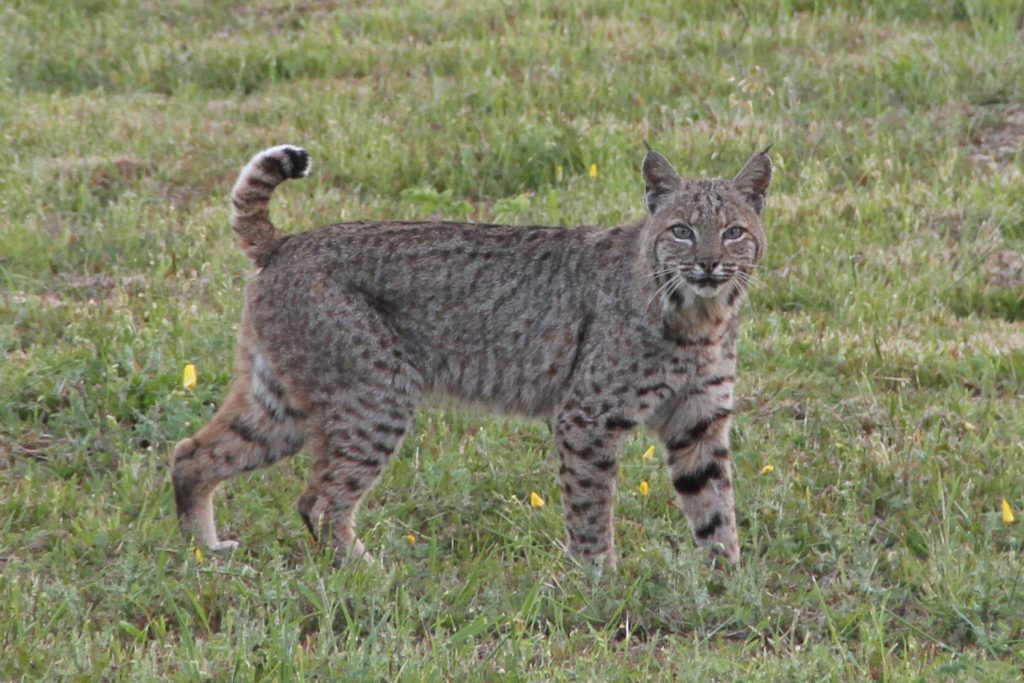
(659, 273)
(742, 273)
(661, 290)
(748, 279)
(661, 287)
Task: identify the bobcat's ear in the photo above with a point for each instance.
(660, 179)
(753, 180)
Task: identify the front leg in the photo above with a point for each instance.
(588, 444)
(696, 438)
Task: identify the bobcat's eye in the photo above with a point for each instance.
(733, 232)
(681, 231)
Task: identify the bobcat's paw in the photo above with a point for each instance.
(223, 545)
(724, 556)
(359, 552)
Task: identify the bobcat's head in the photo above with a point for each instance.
(704, 236)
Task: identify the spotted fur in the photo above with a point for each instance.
(347, 327)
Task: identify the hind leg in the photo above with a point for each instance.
(193, 493)
(351, 446)
(255, 427)
(363, 390)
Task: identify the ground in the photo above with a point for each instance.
(882, 357)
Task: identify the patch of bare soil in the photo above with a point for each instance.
(275, 17)
(998, 138)
(105, 177)
(118, 171)
(992, 336)
(94, 286)
(182, 194)
(1005, 269)
(28, 446)
(80, 289)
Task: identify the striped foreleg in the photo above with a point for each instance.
(701, 471)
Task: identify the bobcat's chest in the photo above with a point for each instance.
(688, 366)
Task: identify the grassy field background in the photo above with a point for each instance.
(882, 359)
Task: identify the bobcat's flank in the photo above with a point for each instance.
(347, 327)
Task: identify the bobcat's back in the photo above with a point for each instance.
(491, 314)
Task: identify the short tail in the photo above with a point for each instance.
(251, 197)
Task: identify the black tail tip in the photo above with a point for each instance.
(299, 161)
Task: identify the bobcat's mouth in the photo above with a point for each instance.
(708, 285)
(708, 281)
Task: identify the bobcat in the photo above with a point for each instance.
(345, 329)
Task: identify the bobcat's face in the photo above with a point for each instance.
(705, 235)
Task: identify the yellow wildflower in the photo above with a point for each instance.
(644, 488)
(535, 500)
(410, 539)
(593, 171)
(648, 454)
(558, 173)
(198, 552)
(1008, 517)
(188, 377)
(767, 469)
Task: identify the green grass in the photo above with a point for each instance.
(882, 375)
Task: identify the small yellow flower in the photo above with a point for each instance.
(410, 539)
(644, 488)
(198, 552)
(558, 173)
(188, 377)
(970, 427)
(593, 171)
(649, 453)
(767, 469)
(535, 500)
(1008, 517)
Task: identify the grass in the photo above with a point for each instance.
(882, 374)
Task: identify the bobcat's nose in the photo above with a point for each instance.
(708, 265)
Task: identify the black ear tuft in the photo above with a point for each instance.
(753, 180)
(660, 179)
